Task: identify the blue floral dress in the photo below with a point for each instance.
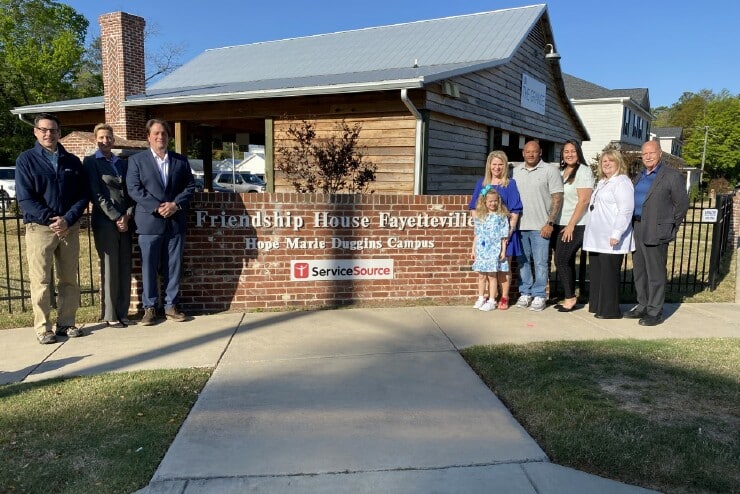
(488, 235)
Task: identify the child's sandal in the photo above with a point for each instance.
(503, 304)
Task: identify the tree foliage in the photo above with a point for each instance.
(330, 165)
(716, 116)
(41, 50)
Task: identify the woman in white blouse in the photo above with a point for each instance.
(608, 235)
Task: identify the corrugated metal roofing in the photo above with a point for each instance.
(366, 57)
(377, 58)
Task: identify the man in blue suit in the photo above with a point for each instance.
(161, 183)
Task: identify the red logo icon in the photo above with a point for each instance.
(300, 270)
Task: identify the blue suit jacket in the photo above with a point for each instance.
(145, 187)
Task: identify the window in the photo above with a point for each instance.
(626, 125)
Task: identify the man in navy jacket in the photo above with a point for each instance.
(51, 193)
(162, 185)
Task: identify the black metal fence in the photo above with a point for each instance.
(694, 258)
(15, 295)
(693, 265)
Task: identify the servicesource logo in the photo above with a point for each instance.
(341, 269)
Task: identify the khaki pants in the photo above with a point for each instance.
(42, 248)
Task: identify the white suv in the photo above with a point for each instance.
(7, 182)
(226, 179)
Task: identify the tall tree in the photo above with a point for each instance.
(41, 49)
(720, 124)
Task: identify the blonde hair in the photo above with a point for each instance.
(102, 126)
(481, 211)
(616, 157)
(502, 156)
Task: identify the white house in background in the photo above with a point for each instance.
(670, 138)
(254, 161)
(671, 142)
(618, 117)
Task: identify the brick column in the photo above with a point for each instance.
(122, 40)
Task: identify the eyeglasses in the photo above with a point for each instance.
(46, 131)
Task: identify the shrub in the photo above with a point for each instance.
(332, 164)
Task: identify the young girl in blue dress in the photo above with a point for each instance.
(491, 223)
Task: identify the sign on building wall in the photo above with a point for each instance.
(534, 94)
(301, 250)
(336, 269)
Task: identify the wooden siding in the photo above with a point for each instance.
(459, 127)
(456, 154)
(493, 97)
(387, 141)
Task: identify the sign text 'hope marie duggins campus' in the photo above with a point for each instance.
(349, 233)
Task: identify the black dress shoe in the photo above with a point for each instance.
(635, 313)
(599, 316)
(648, 320)
(566, 309)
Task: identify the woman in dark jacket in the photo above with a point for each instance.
(111, 218)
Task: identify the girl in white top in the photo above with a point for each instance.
(608, 235)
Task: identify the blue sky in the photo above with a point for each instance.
(667, 46)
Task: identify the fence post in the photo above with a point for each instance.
(716, 253)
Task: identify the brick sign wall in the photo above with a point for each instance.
(269, 251)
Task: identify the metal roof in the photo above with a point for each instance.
(399, 56)
(92, 103)
(388, 57)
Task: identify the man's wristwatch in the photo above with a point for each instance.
(550, 223)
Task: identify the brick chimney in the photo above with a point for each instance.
(122, 40)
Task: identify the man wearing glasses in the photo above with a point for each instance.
(51, 194)
(661, 203)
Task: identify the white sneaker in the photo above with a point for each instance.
(488, 306)
(538, 304)
(524, 301)
(479, 302)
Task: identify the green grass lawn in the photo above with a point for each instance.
(101, 434)
(660, 414)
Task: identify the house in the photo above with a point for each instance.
(613, 117)
(433, 97)
(253, 162)
(671, 139)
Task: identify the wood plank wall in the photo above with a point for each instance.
(387, 141)
(459, 126)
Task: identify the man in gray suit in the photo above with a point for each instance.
(661, 203)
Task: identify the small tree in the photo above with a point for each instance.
(330, 165)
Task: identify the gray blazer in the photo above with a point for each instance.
(107, 190)
(665, 206)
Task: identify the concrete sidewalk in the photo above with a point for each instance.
(357, 400)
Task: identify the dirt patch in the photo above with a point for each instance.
(662, 402)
